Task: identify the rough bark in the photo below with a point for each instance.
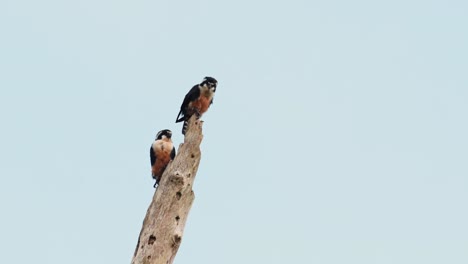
(163, 227)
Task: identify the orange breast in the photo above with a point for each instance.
(163, 156)
(202, 104)
(159, 167)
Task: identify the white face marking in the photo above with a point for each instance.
(206, 91)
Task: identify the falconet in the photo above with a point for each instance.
(162, 151)
(197, 101)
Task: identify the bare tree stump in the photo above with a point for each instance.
(163, 227)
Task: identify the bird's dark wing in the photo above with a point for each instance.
(173, 153)
(192, 95)
(152, 156)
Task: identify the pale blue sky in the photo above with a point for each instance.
(338, 132)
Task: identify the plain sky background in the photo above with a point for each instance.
(338, 133)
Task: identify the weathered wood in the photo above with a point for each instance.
(163, 227)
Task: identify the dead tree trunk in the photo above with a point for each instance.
(162, 230)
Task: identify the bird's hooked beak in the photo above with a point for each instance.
(213, 86)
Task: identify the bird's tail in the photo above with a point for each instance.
(156, 182)
(185, 127)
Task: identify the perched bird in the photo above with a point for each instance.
(197, 101)
(162, 151)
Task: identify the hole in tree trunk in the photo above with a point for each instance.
(151, 240)
(176, 241)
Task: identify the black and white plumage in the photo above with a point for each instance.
(197, 100)
(162, 151)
